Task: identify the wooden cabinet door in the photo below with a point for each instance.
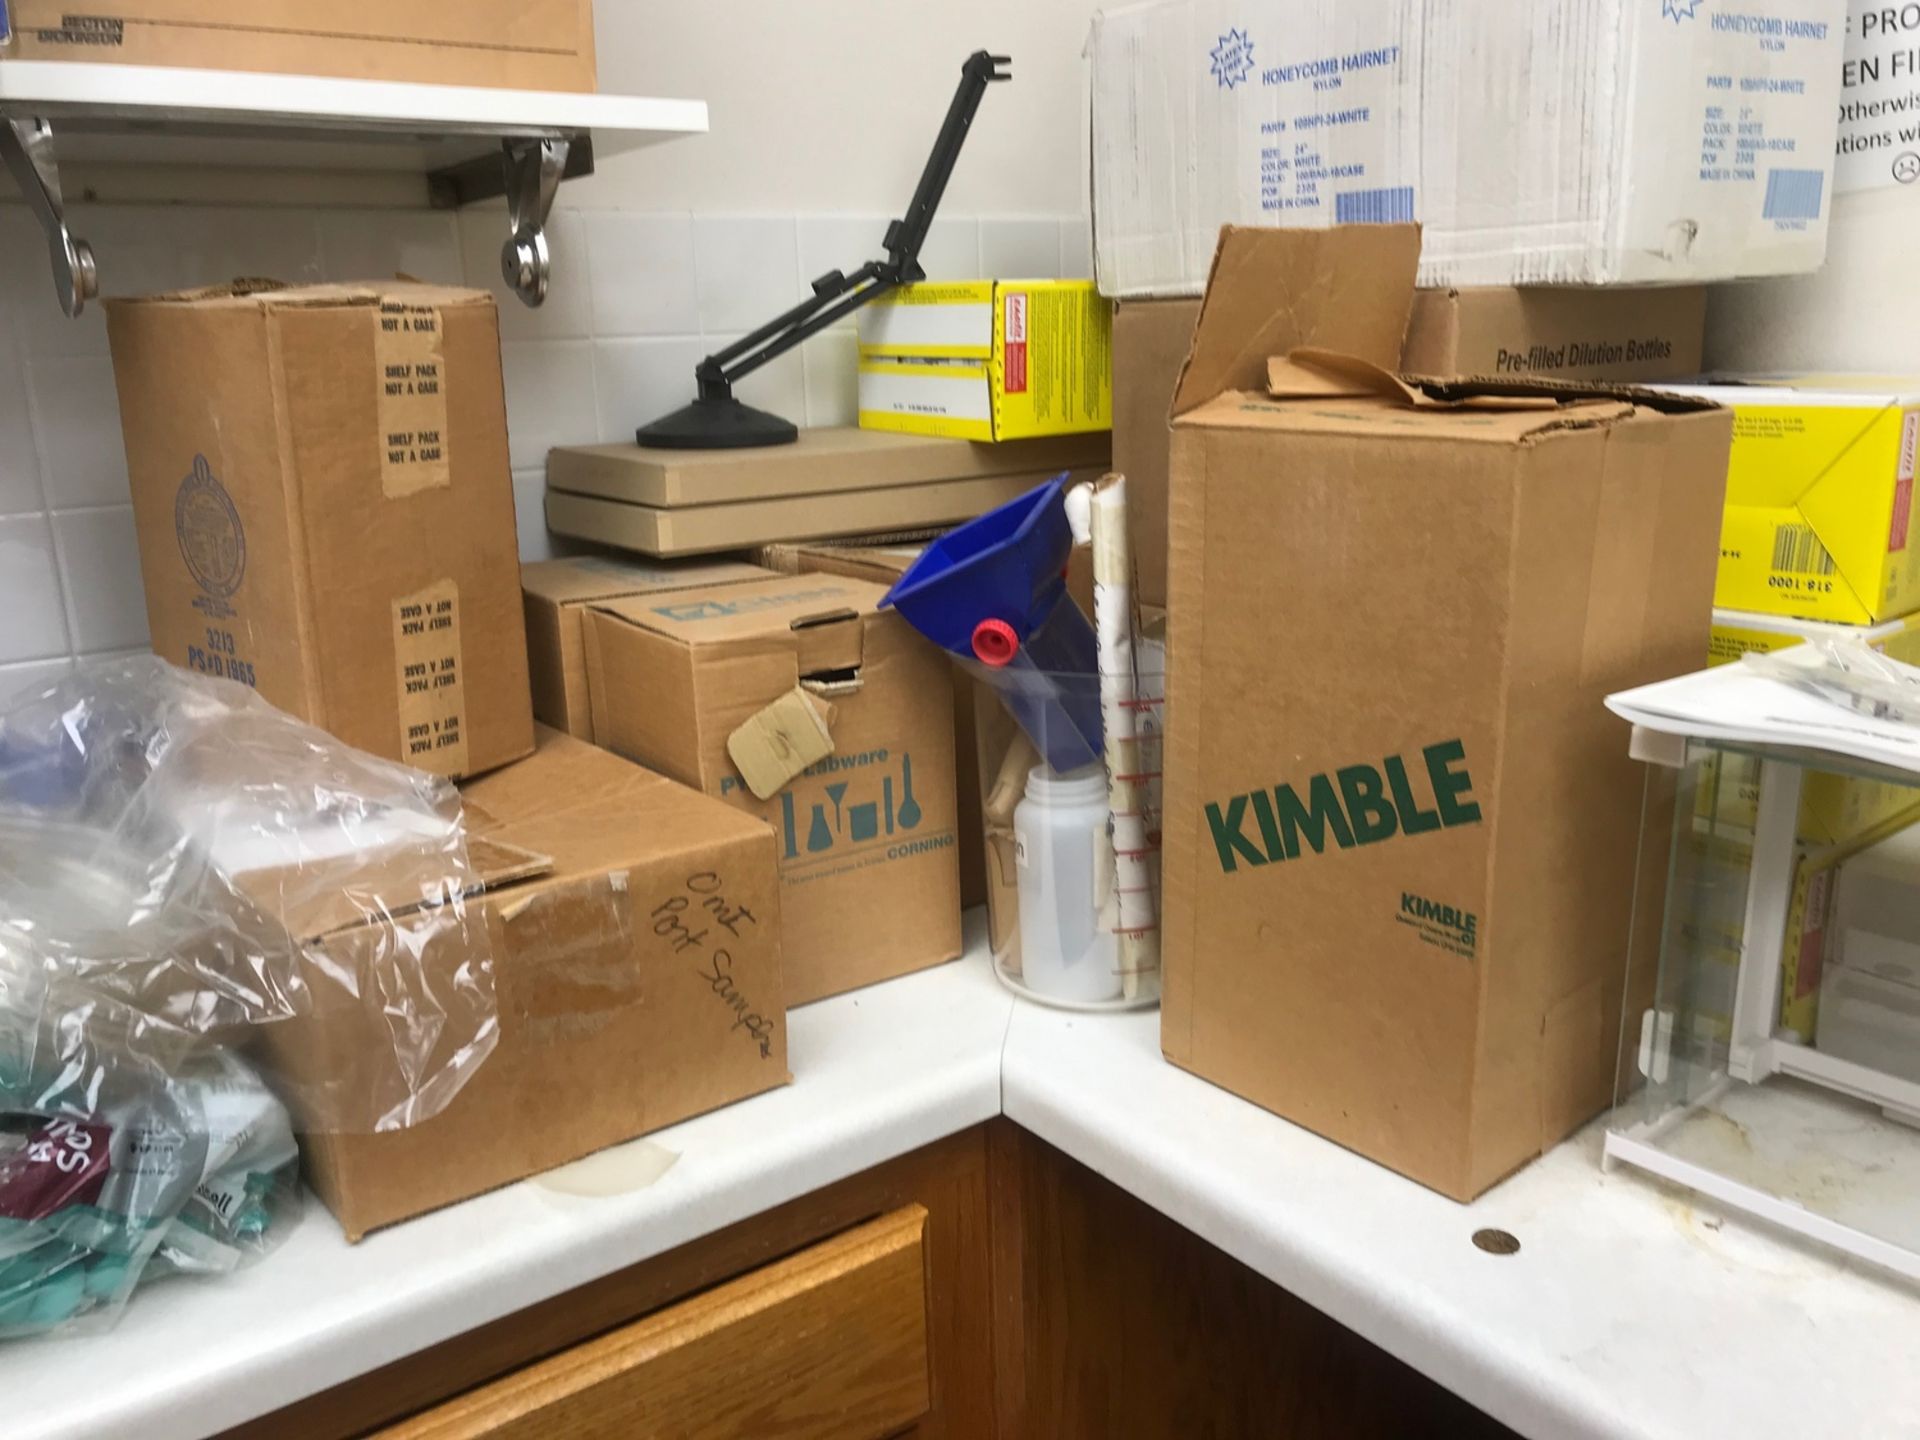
(827, 1344)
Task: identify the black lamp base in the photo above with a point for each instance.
(717, 424)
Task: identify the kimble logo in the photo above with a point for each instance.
(1355, 805)
(1678, 10)
(1446, 926)
(1233, 57)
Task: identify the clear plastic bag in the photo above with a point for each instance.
(1848, 673)
(129, 1150)
(175, 843)
(218, 926)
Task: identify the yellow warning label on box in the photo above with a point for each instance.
(1047, 348)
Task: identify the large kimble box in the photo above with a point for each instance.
(1400, 828)
(1562, 333)
(505, 44)
(868, 834)
(1658, 141)
(635, 936)
(324, 508)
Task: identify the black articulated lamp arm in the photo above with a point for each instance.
(716, 420)
(907, 234)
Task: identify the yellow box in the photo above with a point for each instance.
(988, 359)
(1819, 513)
(1834, 809)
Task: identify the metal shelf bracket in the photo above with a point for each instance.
(26, 146)
(533, 169)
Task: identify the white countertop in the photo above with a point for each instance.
(882, 1071)
(1629, 1312)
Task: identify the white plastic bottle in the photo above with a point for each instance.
(1059, 836)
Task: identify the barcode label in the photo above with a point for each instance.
(1798, 551)
(1390, 206)
(1794, 194)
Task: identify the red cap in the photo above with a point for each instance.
(995, 643)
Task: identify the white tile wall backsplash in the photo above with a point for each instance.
(635, 381)
(530, 516)
(640, 274)
(357, 244)
(19, 466)
(100, 561)
(32, 625)
(831, 362)
(838, 242)
(549, 396)
(952, 250)
(1076, 248)
(567, 313)
(636, 300)
(77, 431)
(1020, 249)
(746, 268)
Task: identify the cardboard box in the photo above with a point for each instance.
(833, 482)
(1629, 335)
(868, 837)
(509, 44)
(883, 565)
(1642, 144)
(557, 594)
(1401, 832)
(635, 929)
(1150, 342)
(1618, 334)
(324, 508)
(987, 359)
(1820, 502)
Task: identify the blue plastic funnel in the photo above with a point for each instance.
(994, 592)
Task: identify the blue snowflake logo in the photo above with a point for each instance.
(1233, 56)
(1678, 10)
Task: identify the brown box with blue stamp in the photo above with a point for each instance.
(324, 508)
(868, 835)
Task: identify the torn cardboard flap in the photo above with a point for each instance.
(829, 647)
(779, 742)
(1326, 374)
(1349, 288)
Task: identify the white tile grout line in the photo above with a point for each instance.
(68, 629)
